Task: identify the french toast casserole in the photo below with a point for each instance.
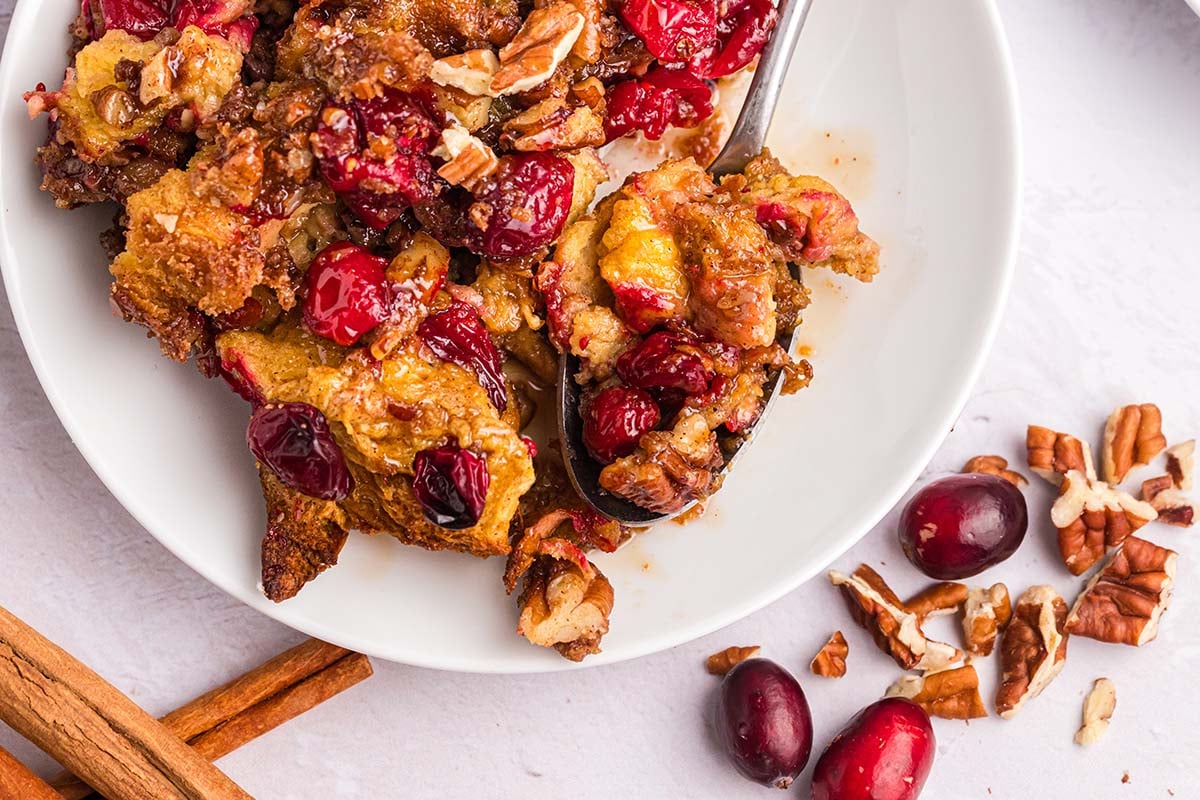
(377, 221)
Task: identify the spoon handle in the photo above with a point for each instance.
(749, 134)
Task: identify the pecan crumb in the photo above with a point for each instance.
(995, 465)
(1052, 454)
(985, 616)
(950, 693)
(721, 662)
(940, 599)
(1172, 505)
(1181, 464)
(830, 660)
(1098, 708)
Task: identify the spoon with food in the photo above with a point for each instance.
(675, 306)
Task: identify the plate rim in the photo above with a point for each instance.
(23, 16)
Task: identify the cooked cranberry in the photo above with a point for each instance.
(741, 33)
(665, 360)
(959, 526)
(230, 19)
(451, 485)
(294, 442)
(374, 154)
(673, 30)
(246, 317)
(884, 753)
(643, 308)
(526, 205)
(614, 421)
(764, 723)
(347, 293)
(456, 334)
(655, 102)
(142, 18)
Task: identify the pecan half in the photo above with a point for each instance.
(1132, 437)
(985, 616)
(1033, 650)
(830, 660)
(1098, 708)
(721, 662)
(949, 693)
(565, 605)
(1123, 603)
(1172, 505)
(1052, 454)
(539, 47)
(1091, 516)
(995, 465)
(940, 599)
(1181, 464)
(895, 629)
(470, 72)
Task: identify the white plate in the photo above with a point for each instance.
(908, 107)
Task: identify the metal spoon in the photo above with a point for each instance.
(745, 142)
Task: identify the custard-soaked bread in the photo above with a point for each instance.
(303, 538)
(381, 414)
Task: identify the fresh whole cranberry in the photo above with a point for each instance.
(959, 526)
(293, 441)
(764, 723)
(665, 360)
(672, 30)
(375, 154)
(347, 293)
(451, 485)
(614, 421)
(456, 334)
(659, 100)
(526, 205)
(741, 33)
(884, 753)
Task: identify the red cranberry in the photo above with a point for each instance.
(959, 526)
(347, 293)
(884, 753)
(665, 360)
(243, 319)
(226, 18)
(142, 18)
(614, 421)
(643, 308)
(741, 33)
(374, 154)
(456, 334)
(764, 723)
(451, 485)
(655, 102)
(293, 441)
(526, 205)
(672, 30)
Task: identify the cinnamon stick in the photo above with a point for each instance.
(16, 781)
(94, 730)
(220, 721)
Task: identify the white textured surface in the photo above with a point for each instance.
(1104, 311)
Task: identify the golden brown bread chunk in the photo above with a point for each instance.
(303, 538)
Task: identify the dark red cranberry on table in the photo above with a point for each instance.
(293, 440)
(375, 154)
(614, 421)
(764, 723)
(743, 29)
(661, 99)
(672, 30)
(884, 753)
(457, 334)
(451, 485)
(666, 360)
(959, 526)
(347, 293)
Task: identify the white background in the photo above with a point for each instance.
(1104, 311)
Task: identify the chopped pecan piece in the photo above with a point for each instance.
(1091, 516)
(721, 662)
(1181, 464)
(949, 693)
(1123, 603)
(471, 71)
(938, 600)
(985, 616)
(552, 125)
(1033, 650)
(1132, 437)
(1098, 708)
(468, 161)
(895, 629)
(566, 602)
(1052, 455)
(1172, 505)
(830, 660)
(539, 47)
(995, 465)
